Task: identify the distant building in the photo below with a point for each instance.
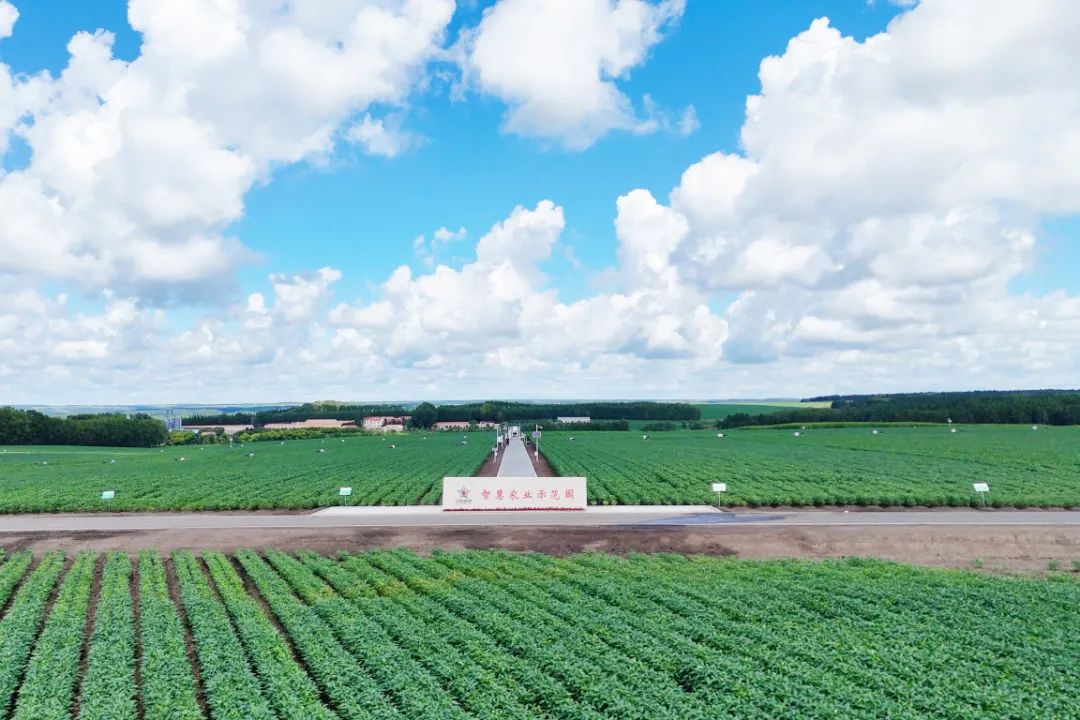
(386, 423)
(173, 421)
(572, 420)
(452, 425)
(229, 429)
(463, 425)
(314, 423)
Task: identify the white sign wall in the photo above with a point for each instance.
(514, 493)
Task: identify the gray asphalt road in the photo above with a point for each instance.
(607, 516)
(515, 460)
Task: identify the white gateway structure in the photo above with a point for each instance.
(516, 488)
(514, 493)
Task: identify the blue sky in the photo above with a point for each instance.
(361, 213)
(758, 298)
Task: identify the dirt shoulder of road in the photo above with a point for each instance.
(490, 468)
(1013, 549)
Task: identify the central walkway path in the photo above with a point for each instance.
(515, 460)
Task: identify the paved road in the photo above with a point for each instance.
(515, 460)
(600, 516)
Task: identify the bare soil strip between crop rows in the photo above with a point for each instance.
(88, 631)
(133, 587)
(1010, 548)
(173, 583)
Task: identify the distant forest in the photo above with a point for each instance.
(1041, 407)
(29, 427)
(517, 411)
(491, 411)
(307, 411)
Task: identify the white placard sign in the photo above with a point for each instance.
(981, 487)
(719, 487)
(514, 493)
(108, 494)
(345, 491)
(536, 433)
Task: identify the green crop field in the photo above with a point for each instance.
(290, 475)
(898, 466)
(489, 634)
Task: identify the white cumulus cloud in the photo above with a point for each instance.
(137, 168)
(556, 63)
(868, 233)
(888, 193)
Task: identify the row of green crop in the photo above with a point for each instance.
(602, 675)
(380, 470)
(777, 640)
(232, 690)
(897, 467)
(167, 686)
(346, 681)
(516, 680)
(467, 669)
(398, 674)
(48, 688)
(20, 624)
(108, 688)
(292, 693)
(491, 634)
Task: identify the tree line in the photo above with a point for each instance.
(30, 427)
(502, 411)
(299, 413)
(1040, 407)
(426, 414)
(219, 419)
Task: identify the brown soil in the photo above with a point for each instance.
(490, 468)
(172, 582)
(136, 619)
(88, 633)
(1009, 549)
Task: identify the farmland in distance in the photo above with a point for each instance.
(849, 466)
(489, 634)
(256, 475)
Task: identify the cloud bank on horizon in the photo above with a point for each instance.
(867, 234)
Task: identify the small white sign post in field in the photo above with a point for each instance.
(344, 492)
(981, 488)
(108, 494)
(719, 488)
